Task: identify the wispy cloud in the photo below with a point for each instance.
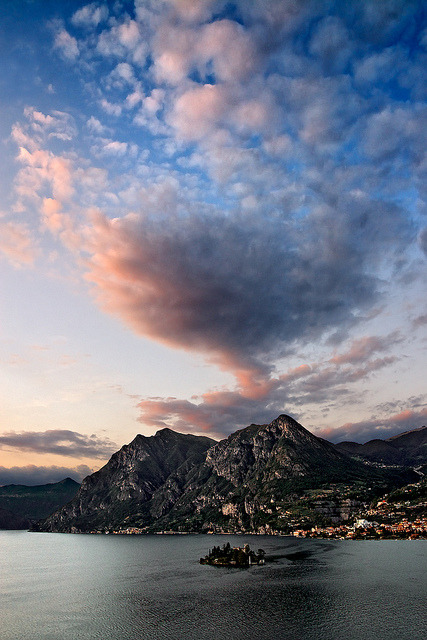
(259, 398)
(17, 243)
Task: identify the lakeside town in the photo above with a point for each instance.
(366, 530)
(362, 529)
(331, 513)
(400, 515)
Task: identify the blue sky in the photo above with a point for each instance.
(211, 213)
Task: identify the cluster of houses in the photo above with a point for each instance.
(364, 529)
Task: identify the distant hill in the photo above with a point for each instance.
(406, 449)
(9, 520)
(172, 481)
(20, 505)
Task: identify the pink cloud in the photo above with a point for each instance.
(192, 11)
(123, 40)
(202, 112)
(17, 244)
(198, 111)
(365, 347)
(173, 53)
(223, 48)
(53, 218)
(41, 169)
(231, 49)
(259, 397)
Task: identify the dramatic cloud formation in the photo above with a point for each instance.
(244, 181)
(261, 399)
(237, 288)
(59, 442)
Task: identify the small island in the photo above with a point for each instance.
(228, 556)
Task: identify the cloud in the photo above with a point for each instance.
(32, 475)
(275, 197)
(41, 169)
(124, 39)
(66, 45)
(222, 48)
(59, 442)
(391, 128)
(192, 11)
(377, 427)
(422, 240)
(95, 126)
(114, 147)
(111, 108)
(237, 288)
(260, 398)
(17, 243)
(420, 321)
(41, 128)
(331, 43)
(90, 16)
(199, 110)
(363, 348)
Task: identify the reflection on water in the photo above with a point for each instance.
(65, 587)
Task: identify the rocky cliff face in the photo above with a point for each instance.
(120, 492)
(262, 454)
(245, 476)
(172, 481)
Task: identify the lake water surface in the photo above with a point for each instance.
(83, 587)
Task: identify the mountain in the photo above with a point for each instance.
(251, 478)
(406, 449)
(22, 504)
(9, 520)
(172, 481)
(122, 490)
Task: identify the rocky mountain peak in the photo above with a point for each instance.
(172, 481)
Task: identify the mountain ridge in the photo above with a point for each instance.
(23, 505)
(407, 449)
(182, 482)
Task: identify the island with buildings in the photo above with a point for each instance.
(228, 556)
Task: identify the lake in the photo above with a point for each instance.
(92, 587)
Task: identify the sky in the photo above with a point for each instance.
(211, 213)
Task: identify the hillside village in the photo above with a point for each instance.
(399, 515)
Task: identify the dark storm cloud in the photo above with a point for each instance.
(58, 441)
(241, 287)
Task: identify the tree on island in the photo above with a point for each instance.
(226, 556)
